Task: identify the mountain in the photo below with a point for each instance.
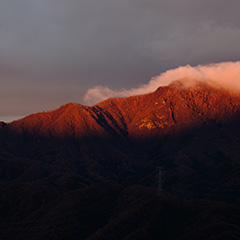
(168, 109)
(81, 172)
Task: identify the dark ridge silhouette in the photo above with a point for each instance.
(81, 172)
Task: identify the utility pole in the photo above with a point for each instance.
(159, 181)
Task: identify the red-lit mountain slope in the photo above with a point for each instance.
(71, 119)
(168, 109)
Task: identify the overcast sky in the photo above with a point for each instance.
(53, 51)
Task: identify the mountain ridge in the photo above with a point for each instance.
(171, 107)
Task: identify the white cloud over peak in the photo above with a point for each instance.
(224, 74)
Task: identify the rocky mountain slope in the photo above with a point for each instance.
(81, 172)
(168, 108)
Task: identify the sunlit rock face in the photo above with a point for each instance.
(171, 108)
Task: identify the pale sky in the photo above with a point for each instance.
(53, 51)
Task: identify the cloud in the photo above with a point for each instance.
(225, 74)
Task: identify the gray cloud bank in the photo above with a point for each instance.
(225, 74)
(105, 38)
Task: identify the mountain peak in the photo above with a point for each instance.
(71, 105)
(167, 109)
